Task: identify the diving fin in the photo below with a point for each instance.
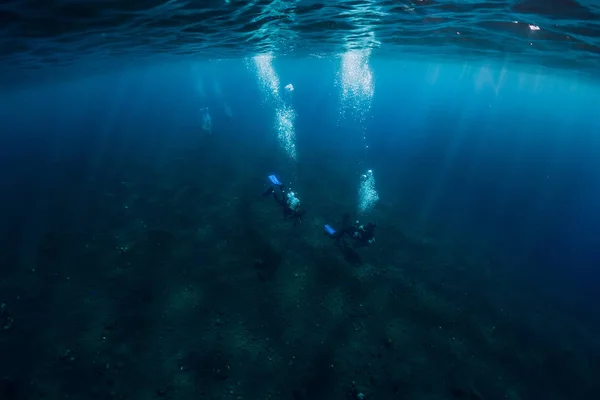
(274, 180)
(330, 231)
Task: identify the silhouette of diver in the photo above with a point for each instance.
(288, 201)
(362, 235)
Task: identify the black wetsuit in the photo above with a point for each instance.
(281, 199)
(364, 236)
(361, 236)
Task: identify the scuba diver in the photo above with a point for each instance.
(289, 202)
(362, 235)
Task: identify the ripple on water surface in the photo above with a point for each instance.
(38, 33)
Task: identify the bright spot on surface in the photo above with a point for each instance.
(284, 121)
(289, 87)
(266, 73)
(534, 27)
(367, 194)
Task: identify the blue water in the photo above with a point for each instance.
(141, 259)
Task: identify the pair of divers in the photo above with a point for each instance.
(361, 235)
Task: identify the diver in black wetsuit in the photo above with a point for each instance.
(362, 235)
(288, 201)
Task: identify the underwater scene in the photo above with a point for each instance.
(300, 200)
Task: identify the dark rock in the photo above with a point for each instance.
(458, 393)
(10, 390)
(298, 394)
